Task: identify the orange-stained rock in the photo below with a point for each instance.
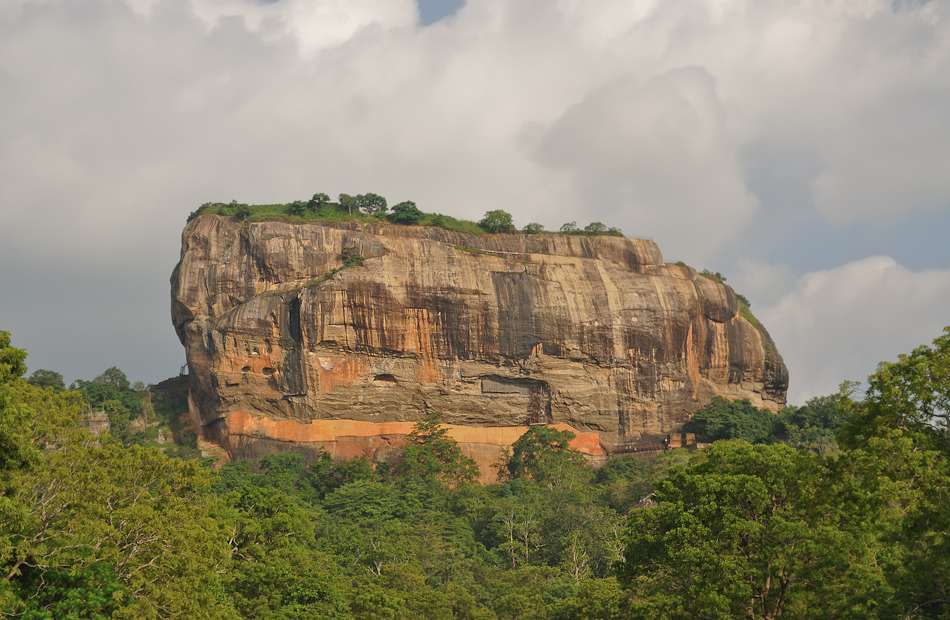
(496, 332)
(378, 441)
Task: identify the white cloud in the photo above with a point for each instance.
(119, 117)
(838, 324)
(657, 152)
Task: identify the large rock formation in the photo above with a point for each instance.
(286, 328)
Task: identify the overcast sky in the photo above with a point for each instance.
(801, 148)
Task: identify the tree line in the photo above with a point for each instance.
(373, 207)
(836, 509)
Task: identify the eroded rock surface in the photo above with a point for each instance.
(494, 331)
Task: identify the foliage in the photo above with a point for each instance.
(715, 276)
(348, 203)
(544, 455)
(93, 528)
(429, 452)
(594, 229)
(813, 425)
(317, 201)
(112, 393)
(725, 419)
(755, 531)
(16, 453)
(496, 221)
(450, 223)
(371, 204)
(371, 208)
(297, 208)
(913, 393)
(106, 518)
(406, 214)
(46, 378)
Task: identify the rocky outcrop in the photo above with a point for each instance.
(322, 322)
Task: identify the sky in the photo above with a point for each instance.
(799, 147)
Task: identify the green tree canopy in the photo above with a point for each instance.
(430, 453)
(46, 378)
(755, 532)
(915, 390)
(405, 214)
(318, 200)
(348, 203)
(497, 221)
(17, 452)
(114, 378)
(297, 208)
(544, 454)
(725, 419)
(372, 204)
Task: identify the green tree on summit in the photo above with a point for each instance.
(496, 222)
(371, 204)
(349, 203)
(318, 200)
(405, 214)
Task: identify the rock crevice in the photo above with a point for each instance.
(596, 333)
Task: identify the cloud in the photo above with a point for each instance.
(658, 153)
(838, 324)
(704, 124)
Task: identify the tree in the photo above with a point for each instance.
(725, 419)
(297, 208)
(496, 222)
(405, 214)
(570, 228)
(279, 574)
(371, 204)
(46, 378)
(544, 454)
(897, 436)
(89, 520)
(318, 200)
(533, 228)
(595, 228)
(756, 532)
(114, 378)
(349, 203)
(915, 390)
(812, 426)
(429, 452)
(16, 450)
(715, 276)
(240, 210)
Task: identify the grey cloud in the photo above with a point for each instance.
(657, 152)
(720, 129)
(838, 324)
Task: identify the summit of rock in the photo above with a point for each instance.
(291, 330)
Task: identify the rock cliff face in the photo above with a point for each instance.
(493, 331)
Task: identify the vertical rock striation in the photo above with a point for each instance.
(493, 331)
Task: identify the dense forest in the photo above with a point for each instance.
(836, 509)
